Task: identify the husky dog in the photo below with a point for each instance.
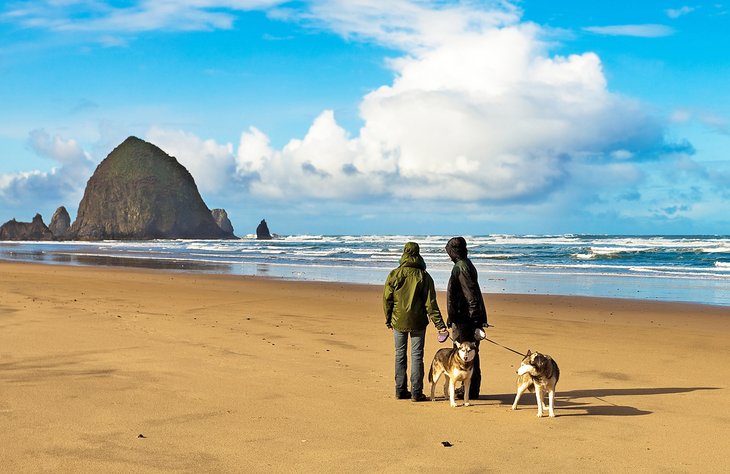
(457, 364)
(541, 373)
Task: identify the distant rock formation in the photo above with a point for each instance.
(60, 223)
(36, 230)
(220, 216)
(262, 231)
(140, 192)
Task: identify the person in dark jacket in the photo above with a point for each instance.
(465, 305)
(409, 301)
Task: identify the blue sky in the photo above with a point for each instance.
(364, 116)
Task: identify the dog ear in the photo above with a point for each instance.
(529, 352)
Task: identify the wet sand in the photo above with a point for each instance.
(119, 370)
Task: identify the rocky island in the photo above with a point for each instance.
(140, 192)
(35, 230)
(262, 231)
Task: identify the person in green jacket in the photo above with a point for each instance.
(409, 301)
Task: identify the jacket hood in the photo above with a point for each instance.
(412, 256)
(456, 248)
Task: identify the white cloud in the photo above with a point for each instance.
(641, 31)
(137, 16)
(485, 114)
(477, 110)
(408, 24)
(62, 184)
(675, 13)
(326, 163)
(66, 152)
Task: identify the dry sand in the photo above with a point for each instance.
(109, 370)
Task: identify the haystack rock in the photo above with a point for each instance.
(140, 192)
(60, 223)
(220, 216)
(35, 230)
(262, 231)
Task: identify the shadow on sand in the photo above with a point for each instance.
(592, 402)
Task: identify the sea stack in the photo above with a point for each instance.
(60, 223)
(220, 216)
(140, 192)
(35, 230)
(262, 231)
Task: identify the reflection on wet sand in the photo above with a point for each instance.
(113, 261)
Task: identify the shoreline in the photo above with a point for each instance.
(693, 269)
(228, 374)
(487, 280)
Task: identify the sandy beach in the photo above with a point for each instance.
(118, 370)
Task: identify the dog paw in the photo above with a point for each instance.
(467, 404)
(453, 405)
(552, 415)
(539, 415)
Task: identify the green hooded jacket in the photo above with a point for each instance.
(409, 297)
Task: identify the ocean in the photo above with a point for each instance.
(692, 269)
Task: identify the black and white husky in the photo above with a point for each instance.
(541, 373)
(457, 363)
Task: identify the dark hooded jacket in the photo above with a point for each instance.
(464, 300)
(409, 297)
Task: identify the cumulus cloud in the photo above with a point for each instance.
(63, 182)
(66, 152)
(326, 163)
(478, 110)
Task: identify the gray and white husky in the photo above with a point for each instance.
(541, 373)
(457, 363)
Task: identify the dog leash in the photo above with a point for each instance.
(496, 343)
(500, 345)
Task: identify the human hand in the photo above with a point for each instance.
(388, 325)
(443, 335)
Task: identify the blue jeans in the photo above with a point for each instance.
(418, 340)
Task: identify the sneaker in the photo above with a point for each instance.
(403, 395)
(419, 397)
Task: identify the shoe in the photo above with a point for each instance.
(403, 395)
(419, 397)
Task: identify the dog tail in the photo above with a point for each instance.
(430, 373)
